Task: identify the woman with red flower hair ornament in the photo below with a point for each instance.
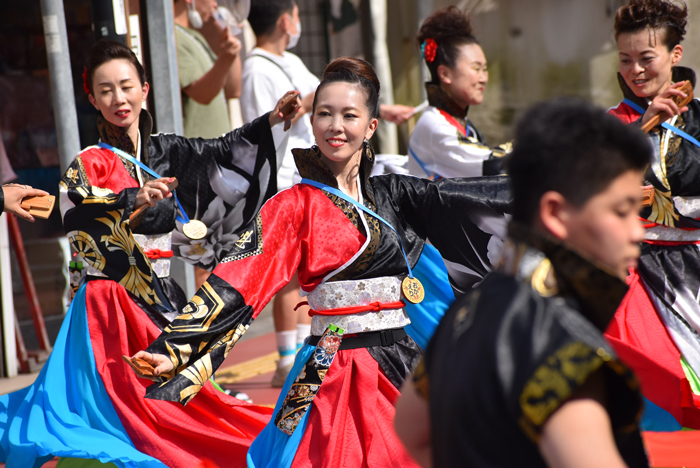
(444, 143)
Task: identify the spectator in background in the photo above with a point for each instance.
(207, 80)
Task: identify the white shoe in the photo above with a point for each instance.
(281, 375)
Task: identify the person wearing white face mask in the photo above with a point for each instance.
(270, 70)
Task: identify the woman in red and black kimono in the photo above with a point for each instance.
(86, 404)
(353, 240)
(657, 328)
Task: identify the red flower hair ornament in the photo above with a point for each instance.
(86, 85)
(429, 49)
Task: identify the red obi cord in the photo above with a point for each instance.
(650, 224)
(670, 243)
(371, 307)
(155, 254)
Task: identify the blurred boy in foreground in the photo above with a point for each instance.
(519, 372)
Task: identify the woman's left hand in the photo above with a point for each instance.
(664, 104)
(153, 191)
(286, 108)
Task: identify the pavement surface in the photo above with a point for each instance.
(248, 368)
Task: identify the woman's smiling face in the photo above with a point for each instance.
(117, 92)
(645, 62)
(341, 121)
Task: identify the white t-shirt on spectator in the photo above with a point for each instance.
(266, 77)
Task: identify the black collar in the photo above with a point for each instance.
(439, 98)
(117, 137)
(597, 290)
(311, 166)
(677, 74)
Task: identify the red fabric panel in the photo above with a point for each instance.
(624, 112)
(315, 238)
(351, 421)
(212, 426)
(641, 340)
(670, 449)
(106, 170)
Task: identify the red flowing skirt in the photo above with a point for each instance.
(641, 340)
(351, 420)
(212, 426)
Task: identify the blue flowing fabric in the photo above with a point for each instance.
(657, 419)
(273, 448)
(426, 316)
(67, 411)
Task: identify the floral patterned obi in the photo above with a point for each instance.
(161, 266)
(351, 293)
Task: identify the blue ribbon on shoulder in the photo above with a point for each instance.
(357, 204)
(665, 125)
(184, 219)
(422, 165)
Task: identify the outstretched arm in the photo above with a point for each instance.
(263, 260)
(11, 196)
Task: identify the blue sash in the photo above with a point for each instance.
(665, 125)
(184, 219)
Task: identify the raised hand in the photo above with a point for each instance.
(286, 109)
(229, 45)
(664, 105)
(153, 191)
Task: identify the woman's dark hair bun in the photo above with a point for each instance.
(450, 28)
(355, 71)
(671, 16)
(105, 50)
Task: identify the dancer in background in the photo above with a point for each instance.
(444, 143)
(85, 404)
(353, 240)
(657, 329)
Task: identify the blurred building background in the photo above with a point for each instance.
(536, 49)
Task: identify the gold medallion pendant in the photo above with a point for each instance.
(195, 229)
(413, 290)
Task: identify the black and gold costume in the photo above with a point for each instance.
(508, 355)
